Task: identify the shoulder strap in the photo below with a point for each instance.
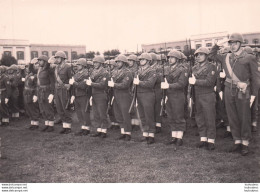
(230, 71)
(58, 77)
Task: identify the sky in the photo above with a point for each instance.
(125, 25)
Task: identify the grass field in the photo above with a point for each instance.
(34, 156)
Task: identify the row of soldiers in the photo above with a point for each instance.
(140, 90)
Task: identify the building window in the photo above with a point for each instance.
(34, 54)
(53, 53)
(177, 47)
(45, 53)
(255, 41)
(198, 46)
(245, 41)
(66, 52)
(74, 55)
(20, 55)
(7, 53)
(209, 45)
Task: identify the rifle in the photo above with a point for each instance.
(163, 112)
(191, 89)
(134, 100)
(87, 107)
(110, 93)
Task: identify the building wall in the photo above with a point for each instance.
(202, 40)
(23, 51)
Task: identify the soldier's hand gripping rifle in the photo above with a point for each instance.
(110, 93)
(191, 89)
(163, 100)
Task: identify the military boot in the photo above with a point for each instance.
(127, 137)
(63, 131)
(151, 140)
(245, 150)
(50, 129)
(97, 134)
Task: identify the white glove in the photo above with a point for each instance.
(6, 100)
(71, 81)
(90, 101)
(32, 77)
(215, 88)
(50, 98)
(166, 99)
(192, 80)
(222, 74)
(88, 82)
(111, 83)
(35, 98)
(136, 80)
(23, 79)
(221, 95)
(165, 84)
(72, 99)
(252, 98)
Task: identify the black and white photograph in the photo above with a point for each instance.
(121, 95)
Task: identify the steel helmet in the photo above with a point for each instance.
(145, 56)
(121, 58)
(163, 57)
(132, 57)
(2, 69)
(43, 57)
(60, 54)
(204, 50)
(249, 50)
(99, 59)
(236, 37)
(174, 53)
(153, 56)
(82, 61)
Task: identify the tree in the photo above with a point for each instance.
(90, 55)
(112, 53)
(8, 60)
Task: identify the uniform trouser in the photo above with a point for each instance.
(221, 113)
(121, 106)
(32, 110)
(47, 110)
(4, 112)
(175, 109)
(80, 106)
(158, 97)
(206, 114)
(239, 114)
(146, 103)
(61, 99)
(255, 108)
(13, 101)
(99, 107)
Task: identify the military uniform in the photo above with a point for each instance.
(31, 108)
(45, 87)
(205, 115)
(13, 82)
(244, 67)
(4, 112)
(177, 77)
(99, 78)
(82, 95)
(123, 79)
(63, 73)
(146, 100)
